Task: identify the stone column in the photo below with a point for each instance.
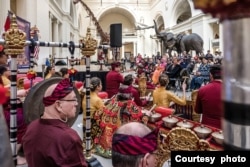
(55, 35)
(14, 46)
(50, 31)
(236, 96)
(134, 48)
(4, 7)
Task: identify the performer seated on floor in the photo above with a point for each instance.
(113, 79)
(163, 97)
(134, 145)
(96, 108)
(21, 125)
(49, 72)
(64, 72)
(115, 113)
(49, 141)
(127, 91)
(149, 84)
(209, 101)
(5, 74)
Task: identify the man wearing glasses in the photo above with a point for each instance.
(49, 141)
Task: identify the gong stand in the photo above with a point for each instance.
(15, 48)
(72, 59)
(89, 50)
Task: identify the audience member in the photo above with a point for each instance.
(173, 71)
(156, 74)
(186, 59)
(201, 76)
(209, 55)
(134, 145)
(209, 102)
(132, 61)
(197, 63)
(163, 97)
(49, 141)
(113, 79)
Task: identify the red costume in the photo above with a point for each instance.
(113, 80)
(133, 93)
(209, 104)
(50, 143)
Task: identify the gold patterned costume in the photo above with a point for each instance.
(162, 97)
(96, 109)
(115, 113)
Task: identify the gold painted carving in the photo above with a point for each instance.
(14, 39)
(90, 44)
(178, 139)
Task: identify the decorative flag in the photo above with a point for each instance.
(6, 26)
(7, 23)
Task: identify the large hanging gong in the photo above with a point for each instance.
(33, 105)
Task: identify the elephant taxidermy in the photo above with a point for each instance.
(181, 42)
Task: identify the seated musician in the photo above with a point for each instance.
(96, 107)
(173, 71)
(21, 125)
(127, 91)
(64, 72)
(49, 72)
(142, 73)
(163, 97)
(5, 73)
(113, 79)
(209, 102)
(116, 112)
(134, 145)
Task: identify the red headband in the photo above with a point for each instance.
(134, 145)
(63, 88)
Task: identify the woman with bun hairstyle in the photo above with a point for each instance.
(96, 107)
